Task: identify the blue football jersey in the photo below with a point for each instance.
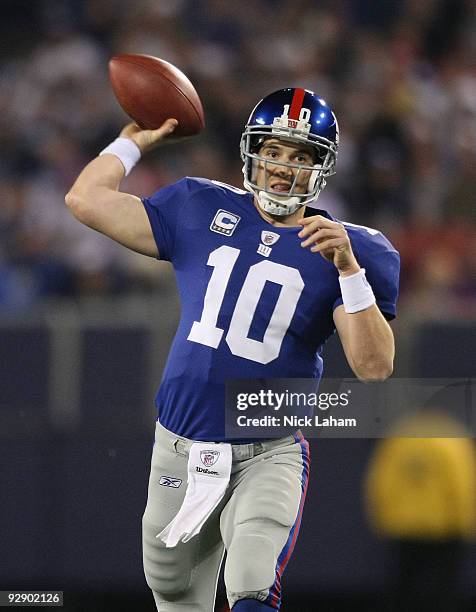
(254, 303)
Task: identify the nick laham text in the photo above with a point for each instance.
(295, 421)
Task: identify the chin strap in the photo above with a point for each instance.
(277, 205)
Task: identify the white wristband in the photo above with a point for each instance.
(356, 292)
(126, 151)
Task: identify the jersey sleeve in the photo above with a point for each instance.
(163, 209)
(382, 269)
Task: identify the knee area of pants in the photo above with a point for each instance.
(166, 570)
(165, 582)
(250, 564)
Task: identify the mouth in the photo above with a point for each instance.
(280, 187)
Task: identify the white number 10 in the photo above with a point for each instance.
(206, 331)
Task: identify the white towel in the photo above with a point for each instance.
(209, 468)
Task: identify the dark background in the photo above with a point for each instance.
(74, 484)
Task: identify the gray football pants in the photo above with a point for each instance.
(256, 522)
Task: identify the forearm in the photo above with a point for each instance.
(95, 201)
(370, 344)
(102, 173)
(99, 180)
(105, 171)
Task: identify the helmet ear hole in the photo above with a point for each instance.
(321, 154)
(256, 142)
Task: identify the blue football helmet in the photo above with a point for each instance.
(292, 115)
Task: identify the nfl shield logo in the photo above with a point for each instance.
(209, 457)
(269, 238)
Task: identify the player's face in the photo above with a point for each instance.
(279, 178)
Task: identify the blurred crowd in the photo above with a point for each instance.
(399, 74)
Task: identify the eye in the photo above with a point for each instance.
(271, 153)
(303, 159)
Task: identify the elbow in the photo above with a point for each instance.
(78, 206)
(374, 372)
(74, 202)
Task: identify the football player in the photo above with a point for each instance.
(262, 287)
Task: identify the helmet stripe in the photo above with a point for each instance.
(296, 104)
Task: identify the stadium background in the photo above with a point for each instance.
(85, 325)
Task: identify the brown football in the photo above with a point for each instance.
(150, 90)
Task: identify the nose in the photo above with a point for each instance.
(283, 171)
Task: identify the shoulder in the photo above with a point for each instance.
(211, 187)
(374, 252)
(368, 239)
(381, 261)
(362, 237)
(192, 185)
(180, 188)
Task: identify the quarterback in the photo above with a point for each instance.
(262, 286)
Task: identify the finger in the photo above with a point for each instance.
(317, 224)
(327, 244)
(320, 235)
(308, 229)
(307, 220)
(151, 137)
(336, 230)
(167, 127)
(316, 218)
(145, 139)
(314, 223)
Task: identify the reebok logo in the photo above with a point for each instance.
(170, 481)
(205, 471)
